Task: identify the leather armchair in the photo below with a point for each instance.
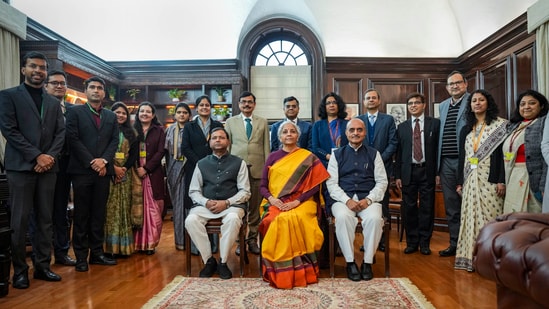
(513, 251)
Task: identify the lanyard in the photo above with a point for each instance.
(516, 133)
(476, 138)
(120, 140)
(93, 110)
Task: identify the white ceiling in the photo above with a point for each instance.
(211, 29)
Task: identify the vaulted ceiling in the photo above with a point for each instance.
(212, 29)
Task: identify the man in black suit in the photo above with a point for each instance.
(56, 85)
(415, 173)
(290, 106)
(92, 132)
(381, 136)
(32, 123)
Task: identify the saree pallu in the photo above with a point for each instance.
(291, 239)
(148, 237)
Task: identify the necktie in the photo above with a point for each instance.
(372, 119)
(63, 108)
(248, 127)
(418, 153)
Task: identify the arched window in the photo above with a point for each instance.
(281, 52)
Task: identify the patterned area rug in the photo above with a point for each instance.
(213, 293)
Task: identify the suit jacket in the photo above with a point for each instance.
(403, 163)
(385, 138)
(195, 145)
(254, 151)
(305, 140)
(443, 112)
(321, 139)
(87, 142)
(28, 131)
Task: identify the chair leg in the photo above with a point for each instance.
(387, 250)
(188, 252)
(331, 253)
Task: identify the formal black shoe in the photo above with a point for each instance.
(381, 247)
(102, 260)
(65, 260)
(209, 269)
(21, 281)
(410, 249)
(253, 248)
(224, 271)
(450, 251)
(352, 272)
(425, 251)
(81, 265)
(149, 252)
(237, 251)
(366, 271)
(46, 275)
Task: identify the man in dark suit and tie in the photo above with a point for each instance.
(56, 85)
(415, 173)
(92, 132)
(381, 135)
(32, 123)
(291, 110)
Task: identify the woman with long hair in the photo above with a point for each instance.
(329, 131)
(175, 163)
(118, 222)
(152, 139)
(481, 175)
(525, 169)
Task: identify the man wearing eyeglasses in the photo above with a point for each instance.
(249, 135)
(32, 123)
(56, 85)
(291, 110)
(452, 119)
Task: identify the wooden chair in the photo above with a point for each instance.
(332, 240)
(395, 209)
(214, 227)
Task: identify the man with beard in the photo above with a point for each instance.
(32, 123)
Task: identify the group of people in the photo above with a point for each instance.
(285, 181)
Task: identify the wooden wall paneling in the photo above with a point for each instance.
(497, 81)
(523, 70)
(437, 93)
(395, 90)
(350, 89)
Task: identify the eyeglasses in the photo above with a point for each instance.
(246, 102)
(331, 102)
(415, 103)
(57, 84)
(455, 83)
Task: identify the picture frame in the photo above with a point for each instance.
(399, 111)
(352, 110)
(436, 111)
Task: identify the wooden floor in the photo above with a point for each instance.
(134, 280)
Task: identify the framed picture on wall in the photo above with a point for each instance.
(399, 112)
(436, 112)
(352, 110)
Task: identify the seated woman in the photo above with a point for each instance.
(289, 225)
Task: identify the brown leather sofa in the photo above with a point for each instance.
(513, 251)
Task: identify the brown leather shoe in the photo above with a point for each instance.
(253, 248)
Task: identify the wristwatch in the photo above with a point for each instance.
(369, 201)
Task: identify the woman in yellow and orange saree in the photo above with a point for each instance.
(289, 225)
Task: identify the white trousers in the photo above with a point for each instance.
(196, 227)
(345, 226)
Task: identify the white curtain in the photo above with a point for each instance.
(13, 26)
(542, 54)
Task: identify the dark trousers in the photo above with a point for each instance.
(31, 192)
(61, 237)
(419, 219)
(91, 193)
(452, 200)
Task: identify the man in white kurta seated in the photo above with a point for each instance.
(357, 184)
(219, 189)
